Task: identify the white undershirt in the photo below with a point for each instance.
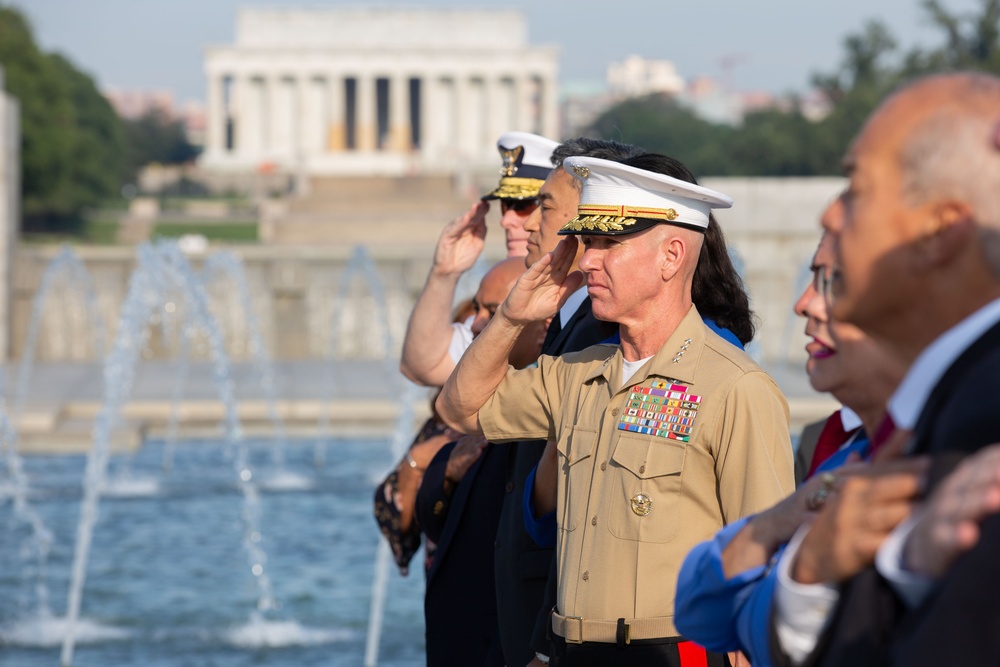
(630, 367)
(461, 332)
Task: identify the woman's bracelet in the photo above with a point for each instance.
(412, 463)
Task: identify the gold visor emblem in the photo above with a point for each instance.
(510, 158)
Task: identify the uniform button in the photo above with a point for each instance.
(642, 469)
(593, 522)
(586, 575)
(604, 465)
(614, 413)
(510, 487)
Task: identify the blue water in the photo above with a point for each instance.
(169, 583)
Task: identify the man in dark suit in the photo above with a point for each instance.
(458, 507)
(917, 236)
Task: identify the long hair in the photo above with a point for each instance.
(717, 289)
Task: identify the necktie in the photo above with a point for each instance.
(830, 439)
(884, 432)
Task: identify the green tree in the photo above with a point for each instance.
(71, 148)
(659, 124)
(972, 41)
(776, 142)
(155, 137)
(866, 75)
(99, 148)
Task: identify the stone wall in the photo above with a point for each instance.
(773, 230)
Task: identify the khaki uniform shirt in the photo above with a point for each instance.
(634, 495)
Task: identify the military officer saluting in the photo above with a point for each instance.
(662, 439)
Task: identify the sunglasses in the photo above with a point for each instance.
(519, 205)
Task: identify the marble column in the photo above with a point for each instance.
(429, 113)
(249, 113)
(336, 139)
(215, 122)
(549, 113)
(465, 109)
(312, 114)
(268, 106)
(366, 121)
(523, 104)
(282, 124)
(500, 101)
(399, 113)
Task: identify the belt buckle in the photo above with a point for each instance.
(579, 620)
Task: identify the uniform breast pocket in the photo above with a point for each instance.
(576, 469)
(645, 487)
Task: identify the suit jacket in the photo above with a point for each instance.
(460, 607)
(522, 567)
(806, 449)
(871, 626)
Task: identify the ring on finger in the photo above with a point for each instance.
(818, 498)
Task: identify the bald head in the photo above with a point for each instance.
(950, 146)
(503, 275)
(493, 289)
(919, 226)
(946, 129)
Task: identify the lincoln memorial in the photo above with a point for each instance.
(374, 91)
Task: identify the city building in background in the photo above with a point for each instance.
(134, 104)
(714, 99)
(374, 91)
(636, 77)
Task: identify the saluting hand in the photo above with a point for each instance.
(543, 288)
(462, 241)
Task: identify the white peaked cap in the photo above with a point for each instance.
(527, 161)
(619, 199)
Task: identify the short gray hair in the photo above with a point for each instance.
(604, 149)
(954, 153)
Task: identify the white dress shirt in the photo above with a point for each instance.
(461, 332)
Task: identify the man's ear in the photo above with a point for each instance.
(950, 228)
(674, 249)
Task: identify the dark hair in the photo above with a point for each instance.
(599, 148)
(717, 289)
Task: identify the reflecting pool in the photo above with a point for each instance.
(168, 581)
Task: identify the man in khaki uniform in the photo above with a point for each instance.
(662, 439)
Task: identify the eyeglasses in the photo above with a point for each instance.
(822, 282)
(519, 205)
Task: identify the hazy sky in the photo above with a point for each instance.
(777, 44)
